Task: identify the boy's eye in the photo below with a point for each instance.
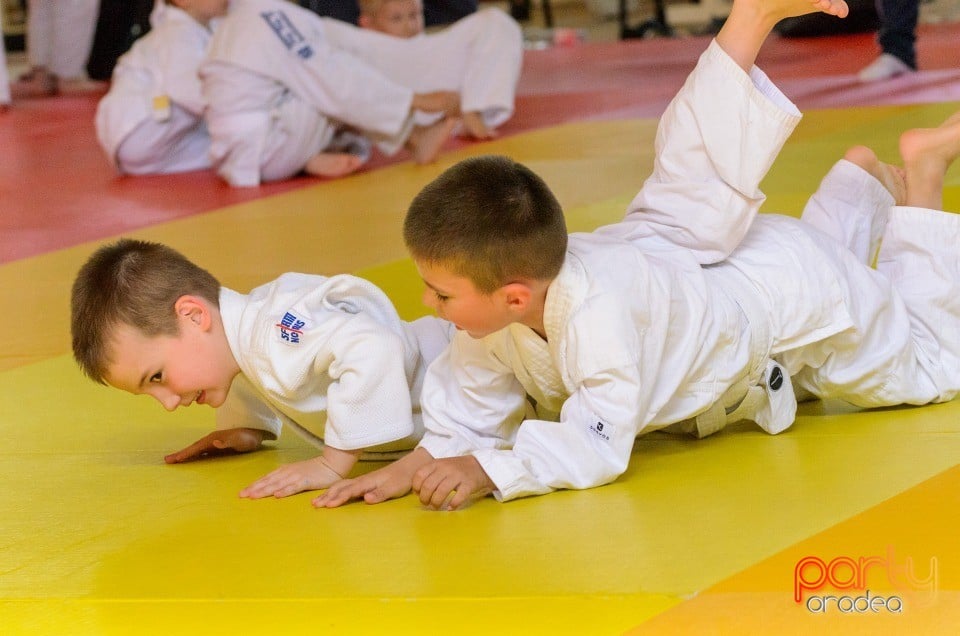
(441, 297)
(156, 378)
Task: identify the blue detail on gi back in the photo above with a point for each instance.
(288, 34)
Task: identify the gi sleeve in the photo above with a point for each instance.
(470, 401)
(369, 395)
(589, 446)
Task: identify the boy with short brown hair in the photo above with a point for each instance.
(329, 357)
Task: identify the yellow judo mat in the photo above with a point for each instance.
(854, 512)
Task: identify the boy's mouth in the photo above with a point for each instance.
(201, 396)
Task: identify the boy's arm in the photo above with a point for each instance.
(589, 446)
(368, 400)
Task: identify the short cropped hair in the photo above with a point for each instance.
(488, 219)
(370, 7)
(135, 283)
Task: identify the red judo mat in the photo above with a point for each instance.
(57, 189)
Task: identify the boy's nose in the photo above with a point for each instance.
(170, 401)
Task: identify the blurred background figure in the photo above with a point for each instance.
(897, 36)
(435, 12)
(59, 37)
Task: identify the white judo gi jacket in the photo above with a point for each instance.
(329, 357)
(692, 312)
(151, 119)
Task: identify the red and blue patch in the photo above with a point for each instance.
(291, 328)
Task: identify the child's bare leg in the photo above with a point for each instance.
(751, 21)
(892, 177)
(927, 153)
(425, 142)
(333, 164)
(475, 127)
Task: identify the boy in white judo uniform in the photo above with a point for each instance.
(151, 119)
(313, 92)
(329, 357)
(705, 324)
(490, 65)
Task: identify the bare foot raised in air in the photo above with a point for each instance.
(333, 164)
(425, 142)
(927, 153)
(892, 177)
(475, 127)
(751, 21)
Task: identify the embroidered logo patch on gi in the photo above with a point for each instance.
(288, 34)
(601, 430)
(291, 328)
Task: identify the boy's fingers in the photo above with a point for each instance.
(459, 498)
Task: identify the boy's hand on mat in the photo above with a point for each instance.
(389, 482)
(311, 474)
(225, 442)
(449, 483)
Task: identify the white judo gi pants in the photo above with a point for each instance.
(479, 56)
(904, 342)
(60, 35)
(180, 143)
(905, 346)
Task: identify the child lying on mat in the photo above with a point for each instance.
(491, 70)
(692, 312)
(329, 357)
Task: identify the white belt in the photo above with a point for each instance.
(765, 396)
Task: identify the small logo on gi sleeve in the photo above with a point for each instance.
(290, 328)
(601, 430)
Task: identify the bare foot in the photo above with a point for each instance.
(425, 142)
(82, 85)
(37, 82)
(927, 153)
(333, 164)
(751, 21)
(475, 127)
(892, 177)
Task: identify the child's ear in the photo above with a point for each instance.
(193, 309)
(517, 296)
